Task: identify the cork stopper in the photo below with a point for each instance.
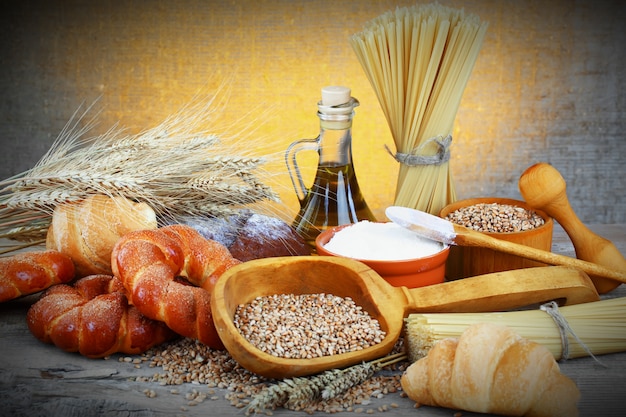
(335, 95)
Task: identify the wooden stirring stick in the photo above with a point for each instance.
(442, 230)
(543, 188)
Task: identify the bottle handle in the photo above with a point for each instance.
(292, 164)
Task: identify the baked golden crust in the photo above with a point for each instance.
(491, 369)
(30, 272)
(93, 317)
(150, 264)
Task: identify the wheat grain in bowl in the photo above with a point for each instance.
(503, 218)
(307, 326)
(495, 217)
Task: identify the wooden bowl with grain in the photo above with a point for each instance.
(465, 262)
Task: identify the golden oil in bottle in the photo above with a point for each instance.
(334, 197)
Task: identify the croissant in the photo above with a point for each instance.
(491, 369)
(150, 264)
(93, 317)
(30, 272)
(86, 231)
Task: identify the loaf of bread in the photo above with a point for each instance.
(169, 274)
(249, 235)
(30, 272)
(93, 317)
(86, 231)
(491, 369)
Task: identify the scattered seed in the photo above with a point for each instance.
(174, 366)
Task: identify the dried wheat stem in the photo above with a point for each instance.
(20, 218)
(177, 167)
(390, 359)
(33, 231)
(300, 393)
(23, 246)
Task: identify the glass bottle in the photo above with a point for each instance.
(334, 197)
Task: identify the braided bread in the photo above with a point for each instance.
(93, 318)
(86, 231)
(30, 272)
(150, 264)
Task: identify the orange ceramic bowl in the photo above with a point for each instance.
(410, 273)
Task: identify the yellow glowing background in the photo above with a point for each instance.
(545, 87)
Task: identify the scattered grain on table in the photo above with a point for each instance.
(188, 361)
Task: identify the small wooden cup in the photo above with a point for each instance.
(466, 262)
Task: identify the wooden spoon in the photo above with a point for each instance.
(543, 188)
(345, 277)
(442, 230)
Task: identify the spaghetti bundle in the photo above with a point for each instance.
(599, 325)
(418, 60)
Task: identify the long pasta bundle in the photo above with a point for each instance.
(418, 60)
(599, 325)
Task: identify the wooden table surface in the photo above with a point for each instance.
(41, 380)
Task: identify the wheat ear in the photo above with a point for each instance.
(179, 168)
(302, 392)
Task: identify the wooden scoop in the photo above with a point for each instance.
(543, 188)
(442, 230)
(346, 277)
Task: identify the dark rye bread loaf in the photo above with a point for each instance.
(249, 235)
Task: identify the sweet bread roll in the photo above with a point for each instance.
(491, 369)
(93, 317)
(30, 272)
(86, 231)
(151, 263)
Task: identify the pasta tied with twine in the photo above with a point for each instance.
(552, 309)
(599, 327)
(418, 60)
(415, 158)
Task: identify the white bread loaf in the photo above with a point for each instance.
(88, 230)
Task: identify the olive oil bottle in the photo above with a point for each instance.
(334, 198)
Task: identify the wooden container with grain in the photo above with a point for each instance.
(465, 262)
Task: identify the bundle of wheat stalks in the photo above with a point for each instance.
(302, 393)
(178, 168)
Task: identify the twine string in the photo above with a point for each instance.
(552, 309)
(415, 158)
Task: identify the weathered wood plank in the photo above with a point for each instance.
(41, 380)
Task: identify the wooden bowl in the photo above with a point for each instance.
(465, 262)
(345, 277)
(410, 273)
